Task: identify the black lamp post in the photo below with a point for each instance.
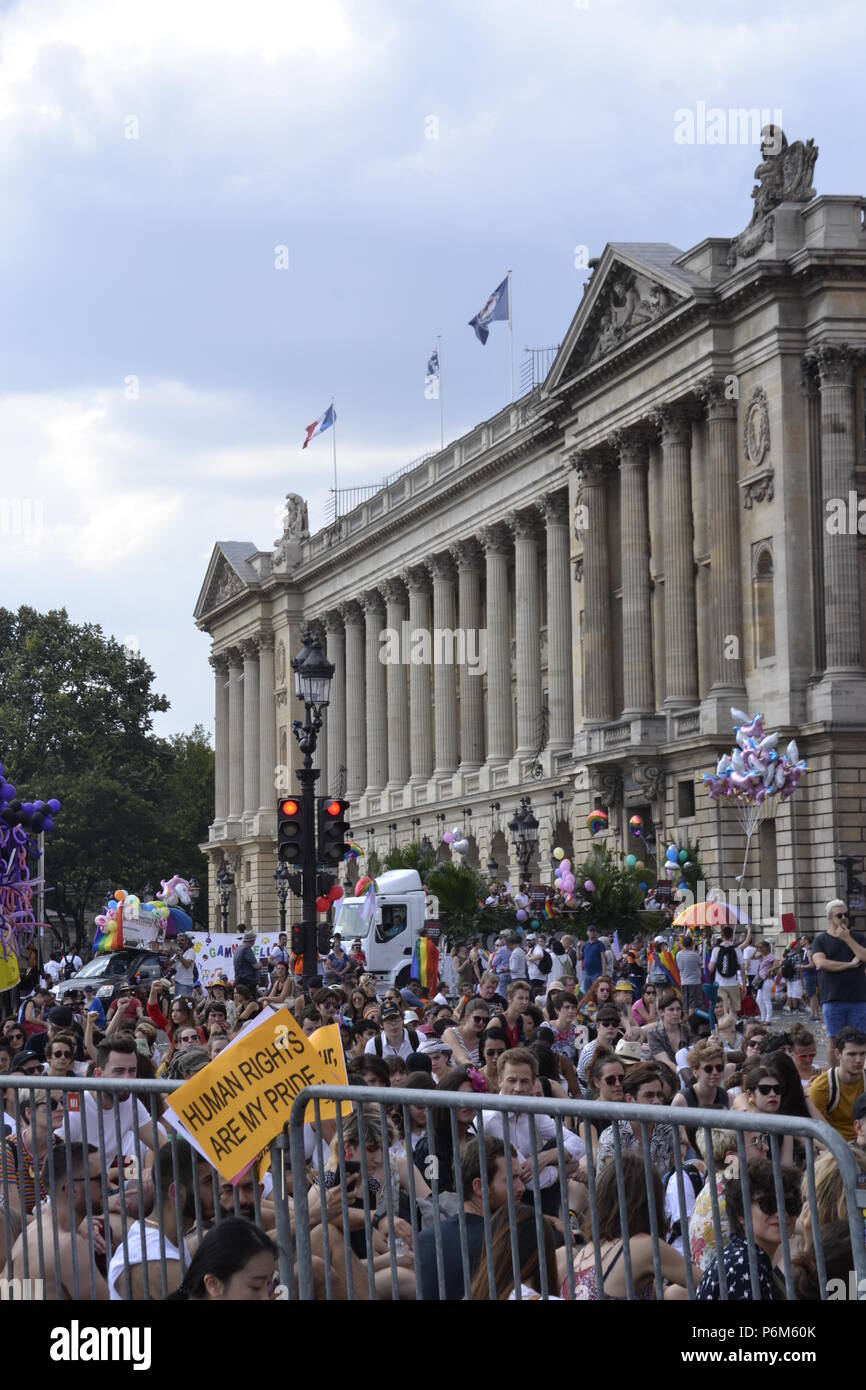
(524, 833)
(313, 676)
(225, 886)
(281, 883)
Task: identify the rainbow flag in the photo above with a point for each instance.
(548, 910)
(666, 960)
(425, 964)
(109, 937)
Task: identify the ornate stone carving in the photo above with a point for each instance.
(467, 554)
(756, 430)
(373, 602)
(333, 621)
(296, 527)
(281, 663)
(650, 777)
(441, 565)
(394, 590)
(607, 781)
(784, 176)
(351, 613)
(714, 393)
(758, 488)
(219, 662)
(553, 506)
(628, 301)
(578, 569)
(226, 584)
(264, 640)
(674, 423)
(416, 578)
(523, 525)
(834, 362)
(495, 538)
(631, 446)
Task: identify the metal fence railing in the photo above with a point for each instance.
(402, 1193)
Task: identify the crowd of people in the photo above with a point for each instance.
(536, 1014)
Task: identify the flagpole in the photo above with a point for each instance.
(441, 407)
(336, 499)
(511, 334)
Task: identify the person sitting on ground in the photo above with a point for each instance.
(644, 1011)
(282, 986)
(64, 1261)
(529, 1258)
(766, 1224)
(669, 1035)
(706, 1062)
(834, 1092)
(702, 1229)
(642, 1086)
(611, 1245)
(465, 1040)
(804, 1052)
(22, 1159)
(608, 1025)
(234, 1263)
(148, 1263)
(474, 1206)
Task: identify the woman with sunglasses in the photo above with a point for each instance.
(605, 1076)
(706, 1062)
(598, 994)
(14, 1035)
(643, 1010)
(493, 1044)
(465, 1040)
(767, 1228)
(764, 1091)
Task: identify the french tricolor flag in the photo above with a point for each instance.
(319, 426)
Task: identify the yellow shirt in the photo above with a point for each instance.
(840, 1116)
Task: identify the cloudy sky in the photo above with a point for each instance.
(157, 368)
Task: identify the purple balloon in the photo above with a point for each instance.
(54, 805)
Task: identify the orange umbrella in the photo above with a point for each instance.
(708, 914)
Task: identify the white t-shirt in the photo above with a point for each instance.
(727, 981)
(153, 1247)
(184, 970)
(52, 970)
(109, 1126)
(750, 957)
(672, 1204)
(534, 961)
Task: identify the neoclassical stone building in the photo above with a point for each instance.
(644, 541)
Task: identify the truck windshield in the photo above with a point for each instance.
(348, 921)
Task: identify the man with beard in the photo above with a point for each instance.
(73, 1170)
(136, 1268)
(116, 1057)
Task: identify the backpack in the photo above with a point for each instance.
(69, 968)
(834, 1090)
(726, 962)
(545, 965)
(789, 968)
(412, 1035)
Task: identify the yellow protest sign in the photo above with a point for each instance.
(329, 1045)
(241, 1100)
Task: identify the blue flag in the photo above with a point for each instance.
(496, 308)
(433, 366)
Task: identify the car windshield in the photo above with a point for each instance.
(98, 966)
(348, 922)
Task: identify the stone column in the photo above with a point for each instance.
(236, 733)
(838, 458)
(377, 709)
(497, 546)
(251, 727)
(637, 654)
(395, 680)
(468, 558)
(553, 507)
(681, 649)
(655, 493)
(221, 736)
(335, 717)
(356, 712)
(592, 497)
(267, 724)
(444, 654)
(524, 526)
(725, 588)
(417, 582)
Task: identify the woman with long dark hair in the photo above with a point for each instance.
(467, 1079)
(528, 1254)
(235, 1262)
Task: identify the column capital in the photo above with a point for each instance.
(394, 590)
(333, 620)
(416, 578)
(674, 424)
(235, 655)
(264, 641)
(523, 524)
(593, 470)
(632, 446)
(250, 648)
(713, 392)
(372, 602)
(553, 507)
(351, 613)
(810, 380)
(495, 539)
(441, 566)
(220, 662)
(467, 554)
(834, 362)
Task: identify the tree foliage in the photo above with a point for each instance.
(617, 898)
(459, 890)
(412, 856)
(76, 715)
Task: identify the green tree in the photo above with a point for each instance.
(412, 856)
(76, 714)
(615, 902)
(460, 890)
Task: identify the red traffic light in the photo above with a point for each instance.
(289, 808)
(333, 808)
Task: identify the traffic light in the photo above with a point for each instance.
(290, 831)
(333, 831)
(298, 939)
(323, 938)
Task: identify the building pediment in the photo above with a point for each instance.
(229, 573)
(631, 287)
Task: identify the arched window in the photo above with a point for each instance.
(763, 598)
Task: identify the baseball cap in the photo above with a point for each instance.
(410, 1016)
(433, 1045)
(21, 1059)
(389, 1011)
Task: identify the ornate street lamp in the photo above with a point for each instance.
(225, 883)
(524, 833)
(313, 676)
(281, 883)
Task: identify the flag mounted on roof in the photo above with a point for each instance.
(498, 307)
(319, 426)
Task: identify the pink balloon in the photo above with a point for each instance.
(565, 865)
(590, 886)
(521, 915)
(449, 837)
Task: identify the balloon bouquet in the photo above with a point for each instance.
(755, 775)
(456, 839)
(19, 822)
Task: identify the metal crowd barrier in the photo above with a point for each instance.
(336, 1258)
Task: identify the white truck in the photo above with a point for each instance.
(388, 938)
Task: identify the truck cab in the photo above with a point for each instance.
(388, 939)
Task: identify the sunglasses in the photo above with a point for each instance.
(67, 1055)
(493, 1051)
(754, 1042)
(613, 1080)
(716, 1070)
(480, 1020)
(766, 1203)
(766, 1090)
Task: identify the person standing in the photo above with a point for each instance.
(839, 956)
(246, 965)
(689, 966)
(592, 959)
(517, 964)
(726, 967)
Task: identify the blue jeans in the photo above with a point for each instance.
(838, 1016)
